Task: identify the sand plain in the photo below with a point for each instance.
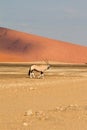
(57, 102)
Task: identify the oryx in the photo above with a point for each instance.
(38, 68)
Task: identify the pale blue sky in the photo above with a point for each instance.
(64, 20)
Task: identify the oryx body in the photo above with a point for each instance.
(38, 68)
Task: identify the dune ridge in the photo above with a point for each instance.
(16, 46)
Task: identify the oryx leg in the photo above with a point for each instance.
(41, 75)
(32, 75)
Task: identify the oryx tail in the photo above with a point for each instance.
(29, 72)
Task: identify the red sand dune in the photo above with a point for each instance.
(22, 47)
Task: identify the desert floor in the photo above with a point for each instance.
(57, 102)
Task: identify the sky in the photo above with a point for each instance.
(64, 20)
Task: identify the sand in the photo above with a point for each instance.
(57, 102)
(16, 46)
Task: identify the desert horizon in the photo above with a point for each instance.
(55, 101)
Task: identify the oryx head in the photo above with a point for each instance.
(49, 66)
(47, 63)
